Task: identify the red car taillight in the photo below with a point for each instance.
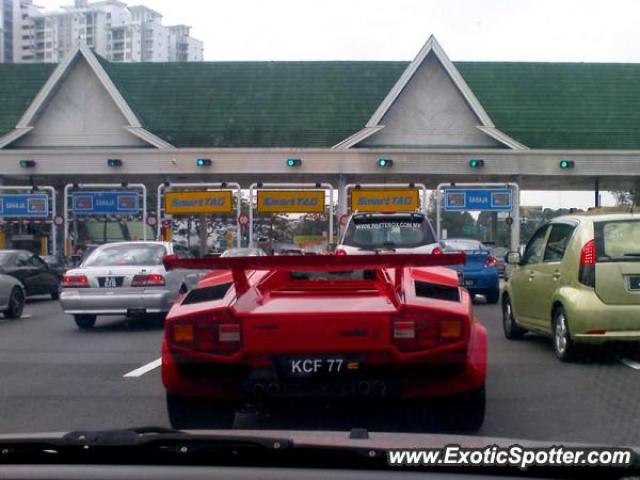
(422, 334)
(340, 252)
(490, 262)
(151, 280)
(587, 272)
(222, 337)
(436, 251)
(75, 281)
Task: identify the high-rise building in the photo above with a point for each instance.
(111, 28)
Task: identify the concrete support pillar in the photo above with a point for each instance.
(342, 204)
(204, 236)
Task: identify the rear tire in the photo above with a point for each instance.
(85, 322)
(16, 304)
(493, 297)
(563, 346)
(511, 329)
(191, 413)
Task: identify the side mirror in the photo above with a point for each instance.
(513, 258)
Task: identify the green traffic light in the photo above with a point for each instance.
(476, 163)
(294, 162)
(27, 163)
(564, 164)
(385, 162)
(203, 162)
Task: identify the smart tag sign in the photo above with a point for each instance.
(291, 201)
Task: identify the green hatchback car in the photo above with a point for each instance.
(577, 281)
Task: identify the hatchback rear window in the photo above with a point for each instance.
(618, 241)
(389, 232)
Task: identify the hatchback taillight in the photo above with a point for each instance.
(151, 280)
(587, 271)
(340, 252)
(75, 281)
(436, 251)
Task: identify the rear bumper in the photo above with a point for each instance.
(482, 282)
(592, 321)
(401, 381)
(149, 300)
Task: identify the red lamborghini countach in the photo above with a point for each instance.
(388, 327)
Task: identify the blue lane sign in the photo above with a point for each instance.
(27, 205)
(487, 199)
(105, 203)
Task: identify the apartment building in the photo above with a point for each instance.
(114, 30)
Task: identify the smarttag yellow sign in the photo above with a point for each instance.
(385, 200)
(198, 202)
(291, 201)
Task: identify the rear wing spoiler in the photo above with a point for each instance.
(239, 266)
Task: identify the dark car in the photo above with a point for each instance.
(58, 263)
(34, 273)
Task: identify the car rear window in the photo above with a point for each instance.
(129, 254)
(370, 232)
(618, 241)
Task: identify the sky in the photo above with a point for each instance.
(501, 30)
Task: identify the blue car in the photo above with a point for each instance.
(480, 274)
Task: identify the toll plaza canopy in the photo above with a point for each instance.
(428, 118)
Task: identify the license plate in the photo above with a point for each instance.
(469, 283)
(310, 366)
(110, 282)
(634, 283)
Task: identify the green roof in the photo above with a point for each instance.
(318, 104)
(19, 84)
(254, 104)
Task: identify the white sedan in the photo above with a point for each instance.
(125, 278)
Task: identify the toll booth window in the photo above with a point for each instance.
(388, 231)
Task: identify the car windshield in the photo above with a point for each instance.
(371, 232)
(5, 256)
(241, 252)
(126, 255)
(465, 245)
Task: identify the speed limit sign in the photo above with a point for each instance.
(343, 219)
(58, 220)
(151, 220)
(166, 223)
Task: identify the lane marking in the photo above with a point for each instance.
(631, 363)
(138, 372)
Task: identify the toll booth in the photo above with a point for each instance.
(499, 198)
(27, 219)
(200, 216)
(99, 213)
(291, 216)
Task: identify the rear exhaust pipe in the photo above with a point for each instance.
(273, 390)
(379, 388)
(364, 388)
(258, 390)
